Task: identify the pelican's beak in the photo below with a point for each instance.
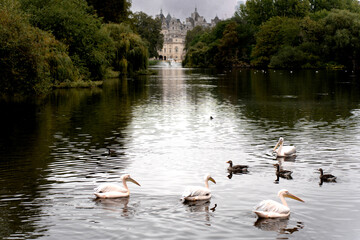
(276, 146)
(289, 195)
(228, 162)
(211, 179)
(133, 181)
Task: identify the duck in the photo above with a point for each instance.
(284, 151)
(236, 168)
(198, 193)
(111, 152)
(326, 177)
(282, 173)
(110, 190)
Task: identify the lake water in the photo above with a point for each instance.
(53, 154)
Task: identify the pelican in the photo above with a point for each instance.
(198, 193)
(109, 190)
(272, 209)
(282, 173)
(326, 177)
(284, 151)
(236, 168)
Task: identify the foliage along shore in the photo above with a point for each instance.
(281, 34)
(46, 44)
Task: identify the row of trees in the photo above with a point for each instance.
(47, 42)
(281, 34)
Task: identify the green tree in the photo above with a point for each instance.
(342, 37)
(193, 36)
(228, 47)
(319, 5)
(131, 51)
(258, 11)
(74, 23)
(31, 60)
(115, 11)
(150, 31)
(291, 8)
(274, 35)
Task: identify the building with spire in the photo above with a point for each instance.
(174, 32)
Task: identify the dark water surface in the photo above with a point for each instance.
(53, 153)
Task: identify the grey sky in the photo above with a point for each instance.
(183, 8)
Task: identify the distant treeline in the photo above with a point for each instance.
(281, 34)
(46, 43)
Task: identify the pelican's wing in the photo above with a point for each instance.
(109, 187)
(111, 194)
(289, 150)
(271, 209)
(196, 191)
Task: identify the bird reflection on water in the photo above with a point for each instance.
(202, 207)
(286, 159)
(116, 205)
(230, 174)
(279, 225)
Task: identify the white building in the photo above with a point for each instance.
(174, 32)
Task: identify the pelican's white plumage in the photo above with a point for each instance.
(284, 151)
(272, 209)
(198, 193)
(110, 190)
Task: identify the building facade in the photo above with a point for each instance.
(174, 32)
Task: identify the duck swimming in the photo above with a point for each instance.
(282, 173)
(284, 151)
(198, 193)
(110, 190)
(236, 168)
(326, 177)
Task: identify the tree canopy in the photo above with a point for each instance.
(281, 34)
(150, 31)
(44, 43)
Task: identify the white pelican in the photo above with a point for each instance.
(198, 193)
(109, 190)
(284, 151)
(272, 209)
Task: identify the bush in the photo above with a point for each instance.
(287, 57)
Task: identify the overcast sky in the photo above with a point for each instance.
(183, 8)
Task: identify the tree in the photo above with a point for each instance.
(228, 47)
(115, 11)
(31, 60)
(75, 24)
(257, 11)
(342, 37)
(328, 5)
(131, 51)
(150, 31)
(272, 36)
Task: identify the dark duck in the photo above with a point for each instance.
(326, 177)
(282, 173)
(237, 168)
